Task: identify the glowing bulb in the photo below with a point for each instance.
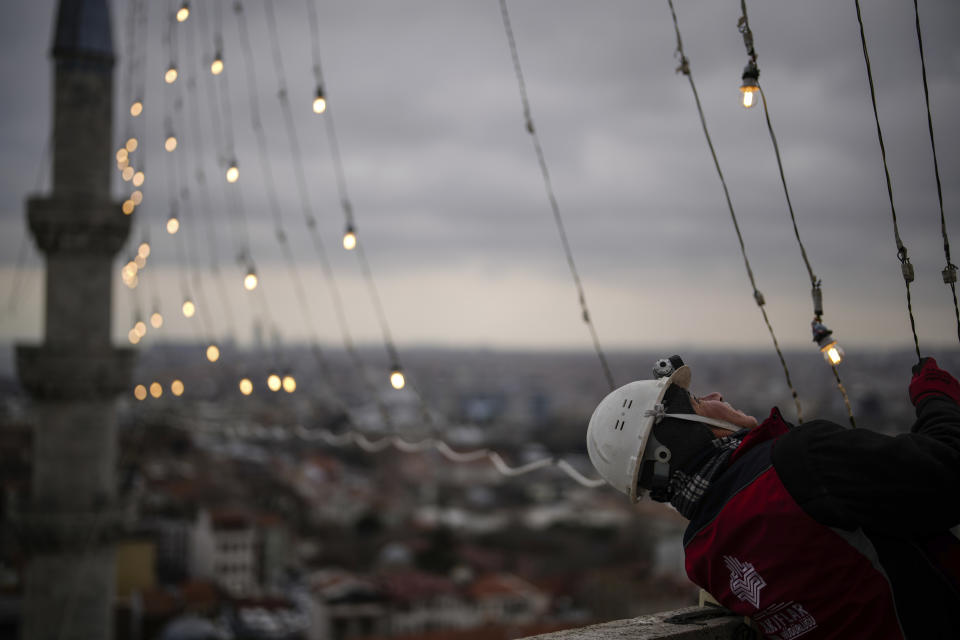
(246, 386)
(250, 280)
(156, 320)
(350, 239)
(140, 261)
(136, 197)
(156, 389)
(131, 145)
(216, 67)
(133, 337)
(273, 382)
(140, 392)
(127, 173)
(140, 328)
(183, 13)
(233, 173)
(138, 179)
(176, 388)
(144, 249)
(749, 86)
(397, 379)
(123, 164)
(213, 353)
(171, 75)
(130, 269)
(136, 108)
(127, 207)
(289, 384)
(832, 353)
(133, 282)
(173, 225)
(188, 308)
(320, 102)
(170, 143)
(122, 154)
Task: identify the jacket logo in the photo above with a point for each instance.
(745, 582)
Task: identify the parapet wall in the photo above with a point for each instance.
(692, 623)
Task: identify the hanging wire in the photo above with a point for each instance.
(551, 196)
(949, 272)
(905, 267)
(815, 283)
(684, 68)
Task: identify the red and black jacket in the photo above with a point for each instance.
(820, 531)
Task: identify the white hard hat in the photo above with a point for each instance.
(621, 426)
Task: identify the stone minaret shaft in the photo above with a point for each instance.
(71, 518)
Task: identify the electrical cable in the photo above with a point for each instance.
(551, 196)
(684, 68)
(949, 272)
(905, 267)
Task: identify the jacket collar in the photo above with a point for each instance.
(770, 429)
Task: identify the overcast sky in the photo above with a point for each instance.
(448, 196)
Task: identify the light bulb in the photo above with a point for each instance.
(132, 144)
(156, 320)
(140, 261)
(140, 392)
(133, 337)
(273, 382)
(127, 173)
(136, 108)
(213, 353)
(123, 164)
(216, 67)
(396, 378)
(188, 308)
(127, 207)
(122, 155)
(319, 102)
(183, 13)
(250, 280)
(246, 386)
(289, 383)
(233, 172)
(136, 197)
(171, 75)
(132, 282)
(156, 389)
(173, 225)
(138, 179)
(749, 86)
(144, 249)
(832, 353)
(140, 328)
(350, 239)
(170, 143)
(130, 269)
(176, 388)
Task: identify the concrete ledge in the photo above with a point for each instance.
(692, 623)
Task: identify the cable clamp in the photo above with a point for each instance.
(817, 300)
(949, 273)
(907, 270)
(759, 298)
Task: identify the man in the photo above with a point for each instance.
(815, 531)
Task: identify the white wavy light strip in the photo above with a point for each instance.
(377, 445)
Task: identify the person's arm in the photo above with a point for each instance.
(852, 478)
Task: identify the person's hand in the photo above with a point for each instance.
(929, 379)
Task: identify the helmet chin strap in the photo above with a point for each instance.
(660, 455)
(716, 422)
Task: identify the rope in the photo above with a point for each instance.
(905, 266)
(558, 220)
(757, 296)
(950, 271)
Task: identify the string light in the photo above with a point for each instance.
(832, 352)
(170, 143)
(156, 389)
(133, 337)
(138, 179)
(127, 173)
(140, 261)
(136, 197)
(216, 67)
(397, 379)
(289, 383)
(132, 282)
(213, 353)
(122, 155)
(127, 207)
(144, 250)
(350, 238)
(130, 269)
(140, 392)
(320, 101)
(123, 164)
(156, 320)
(250, 280)
(132, 144)
(176, 388)
(183, 12)
(188, 308)
(136, 108)
(171, 74)
(246, 386)
(140, 328)
(233, 172)
(749, 86)
(173, 224)
(274, 382)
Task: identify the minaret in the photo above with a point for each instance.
(72, 515)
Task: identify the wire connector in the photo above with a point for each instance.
(817, 300)
(907, 269)
(949, 274)
(759, 298)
